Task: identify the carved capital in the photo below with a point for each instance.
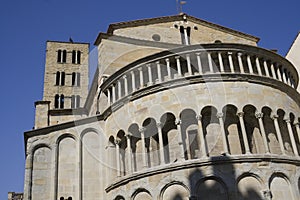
(142, 130)
(177, 57)
(157, 62)
(267, 194)
(177, 121)
(198, 117)
(274, 117)
(128, 135)
(240, 114)
(198, 54)
(219, 115)
(259, 115)
(229, 53)
(117, 141)
(125, 76)
(159, 125)
(239, 54)
(140, 69)
(287, 120)
(167, 60)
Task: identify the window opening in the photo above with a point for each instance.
(57, 78)
(62, 101)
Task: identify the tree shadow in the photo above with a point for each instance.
(219, 182)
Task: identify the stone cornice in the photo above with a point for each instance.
(174, 18)
(198, 79)
(218, 160)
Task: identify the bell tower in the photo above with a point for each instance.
(65, 83)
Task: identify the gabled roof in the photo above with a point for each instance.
(183, 16)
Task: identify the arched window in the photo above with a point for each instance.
(59, 56)
(63, 78)
(78, 57)
(73, 78)
(62, 101)
(73, 56)
(64, 56)
(57, 78)
(56, 101)
(61, 198)
(69, 198)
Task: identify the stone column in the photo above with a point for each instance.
(180, 142)
(149, 74)
(113, 93)
(54, 168)
(242, 70)
(161, 143)
(298, 130)
(28, 177)
(283, 76)
(199, 63)
(249, 64)
(202, 137)
(141, 77)
(210, 64)
(244, 133)
(266, 68)
(221, 62)
(259, 116)
(178, 66)
(188, 60)
(279, 73)
(125, 84)
(258, 66)
(224, 138)
(108, 97)
(133, 81)
(119, 89)
(129, 153)
(142, 131)
(290, 130)
(273, 71)
(230, 62)
(158, 72)
(168, 68)
(278, 133)
(117, 142)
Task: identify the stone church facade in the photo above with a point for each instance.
(179, 108)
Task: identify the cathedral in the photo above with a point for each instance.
(178, 109)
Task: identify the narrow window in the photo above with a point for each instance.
(57, 78)
(78, 57)
(62, 78)
(188, 30)
(78, 79)
(73, 101)
(77, 101)
(62, 101)
(73, 78)
(59, 56)
(64, 60)
(182, 35)
(69, 198)
(61, 198)
(73, 56)
(56, 101)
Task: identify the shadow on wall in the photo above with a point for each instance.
(211, 186)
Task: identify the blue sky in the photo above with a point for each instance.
(25, 26)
